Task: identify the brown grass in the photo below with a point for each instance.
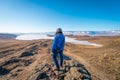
(105, 59)
(102, 62)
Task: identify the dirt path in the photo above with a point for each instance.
(94, 72)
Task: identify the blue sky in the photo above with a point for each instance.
(70, 15)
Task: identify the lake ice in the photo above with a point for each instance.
(43, 36)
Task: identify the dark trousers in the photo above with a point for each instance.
(55, 56)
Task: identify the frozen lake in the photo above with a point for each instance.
(67, 39)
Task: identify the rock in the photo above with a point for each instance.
(45, 45)
(42, 75)
(25, 54)
(27, 62)
(14, 74)
(19, 70)
(71, 70)
(73, 74)
(11, 61)
(4, 71)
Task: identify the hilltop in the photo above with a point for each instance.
(31, 60)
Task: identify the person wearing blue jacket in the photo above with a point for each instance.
(58, 47)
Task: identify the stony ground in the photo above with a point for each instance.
(71, 70)
(32, 61)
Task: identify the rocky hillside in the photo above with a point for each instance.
(105, 59)
(31, 60)
(71, 70)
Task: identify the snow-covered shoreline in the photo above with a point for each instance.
(43, 36)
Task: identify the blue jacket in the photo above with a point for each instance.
(58, 42)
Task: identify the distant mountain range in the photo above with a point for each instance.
(7, 36)
(71, 33)
(90, 33)
(93, 33)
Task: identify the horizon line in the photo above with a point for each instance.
(63, 31)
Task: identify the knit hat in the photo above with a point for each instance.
(59, 30)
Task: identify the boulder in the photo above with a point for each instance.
(25, 54)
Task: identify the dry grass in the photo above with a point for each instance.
(105, 59)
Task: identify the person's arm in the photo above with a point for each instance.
(54, 43)
(63, 43)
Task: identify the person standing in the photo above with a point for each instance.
(58, 47)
